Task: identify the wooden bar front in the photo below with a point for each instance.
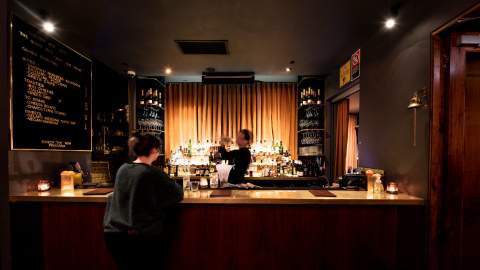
(53, 234)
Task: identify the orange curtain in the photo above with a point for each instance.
(341, 137)
(352, 150)
(203, 112)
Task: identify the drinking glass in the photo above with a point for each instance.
(213, 180)
(195, 185)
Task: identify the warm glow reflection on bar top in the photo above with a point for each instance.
(239, 197)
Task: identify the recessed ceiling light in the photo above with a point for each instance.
(390, 23)
(49, 27)
(168, 70)
(288, 69)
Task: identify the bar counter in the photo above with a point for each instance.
(250, 229)
(343, 197)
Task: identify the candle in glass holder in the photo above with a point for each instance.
(392, 188)
(43, 185)
(67, 180)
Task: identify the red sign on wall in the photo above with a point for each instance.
(355, 60)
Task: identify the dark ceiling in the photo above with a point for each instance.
(264, 35)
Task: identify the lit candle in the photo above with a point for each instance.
(392, 188)
(43, 185)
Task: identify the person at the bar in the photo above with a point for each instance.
(240, 159)
(137, 208)
(131, 143)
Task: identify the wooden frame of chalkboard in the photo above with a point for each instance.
(50, 93)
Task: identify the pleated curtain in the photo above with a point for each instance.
(203, 112)
(351, 161)
(341, 137)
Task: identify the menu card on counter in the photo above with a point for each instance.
(51, 93)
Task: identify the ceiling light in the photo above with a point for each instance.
(390, 23)
(168, 70)
(49, 27)
(288, 69)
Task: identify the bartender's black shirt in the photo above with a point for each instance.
(141, 196)
(240, 159)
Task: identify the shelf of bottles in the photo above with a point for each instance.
(110, 133)
(311, 124)
(269, 159)
(150, 108)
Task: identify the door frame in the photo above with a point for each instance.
(443, 106)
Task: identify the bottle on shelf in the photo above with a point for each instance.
(189, 148)
(150, 96)
(159, 99)
(280, 148)
(155, 98)
(142, 97)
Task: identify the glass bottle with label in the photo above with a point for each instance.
(142, 97)
(155, 97)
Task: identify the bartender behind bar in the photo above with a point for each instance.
(240, 159)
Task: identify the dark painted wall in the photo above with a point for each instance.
(4, 141)
(394, 65)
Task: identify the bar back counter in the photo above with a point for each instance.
(255, 229)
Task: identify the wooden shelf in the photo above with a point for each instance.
(311, 129)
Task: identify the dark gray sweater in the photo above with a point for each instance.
(140, 198)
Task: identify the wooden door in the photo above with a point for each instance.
(460, 218)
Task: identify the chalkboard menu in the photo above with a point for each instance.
(51, 93)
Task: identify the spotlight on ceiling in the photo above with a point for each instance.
(49, 27)
(390, 23)
(288, 69)
(168, 71)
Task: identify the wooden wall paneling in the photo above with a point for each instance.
(440, 69)
(73, 236)
(247, 237)
(471, 182)
(4, 135)
(451, 251)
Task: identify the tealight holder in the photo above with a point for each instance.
(392, 188)
(43, 185)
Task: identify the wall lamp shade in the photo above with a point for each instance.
(415, 102)
(419, 99)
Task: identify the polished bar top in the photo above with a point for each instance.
(239, 197)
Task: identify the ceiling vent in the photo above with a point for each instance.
(228, 77)
(203, 46)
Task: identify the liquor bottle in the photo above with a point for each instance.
(318, 97)
(305, 97)
(310, 95)
(159, 99)
(155, 98)
(150, 97)
(280, 148)
(301, 97)
(189, 148)
(142, 97)
(211, 163)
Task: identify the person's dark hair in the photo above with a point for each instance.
(145, 144)
(247, 134)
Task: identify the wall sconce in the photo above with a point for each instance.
(418, 100)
